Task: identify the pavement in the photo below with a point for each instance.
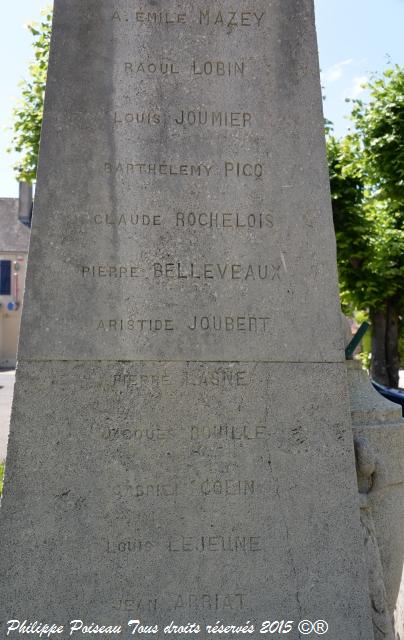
(6, 398)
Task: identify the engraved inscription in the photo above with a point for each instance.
(229, 169)
(230, 432)
(137, 324)
(205, 17)
(218, 68)
(220, 119)
(210, 487)
(186, 118)
(131, 380)
(136, 604)
(215, 544)
(128, 220)
(148, 118)
(227, 220)
(151, 17)
(147, 169)
(138, 434)
(252, 324)
(181, 271)
(129, 546)
(151, 68)
(160, 17)
(227, 487)
(189, 219)
(231, 19)
(220, 377)
(243, 169)
(228, 323)
(210, 601)
(210, 543)
(155, 490)
(193, 601)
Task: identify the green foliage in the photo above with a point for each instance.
(366, 344)
(351, 226)
(380, 126)
(29, 111)
(1, 477)
(367, 184)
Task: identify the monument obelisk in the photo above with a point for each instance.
(180, 446)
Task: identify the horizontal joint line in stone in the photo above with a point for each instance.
(124, 361)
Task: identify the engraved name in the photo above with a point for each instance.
(210, 271)
(145, 435)
(230, 169)
(142, 380)
(252, 324)
(215, 544)
(228, 487)
(136, 604)
(128, 220)
(191, 271)
(205, 17)
(218, 68)
(221, 377)
(144, 117)
(210, 601)
(129, 546)
(193, 219)
(214, 119)
(155, 490)
(147, 169)
(226, 220)
(190, 544)
(230, 432)
(231, 18)
(220, 119)
(211, 487)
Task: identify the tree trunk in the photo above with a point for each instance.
(392, 336)
(385, 333)
(378, 364)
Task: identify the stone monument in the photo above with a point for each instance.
(181, 447)
(378, 429)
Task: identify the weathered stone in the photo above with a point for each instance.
(380, 423)
(181, 447)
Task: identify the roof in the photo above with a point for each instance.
(14, 236)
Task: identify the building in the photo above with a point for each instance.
(14, 242)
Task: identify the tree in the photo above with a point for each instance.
(29, 112)
(367, 184)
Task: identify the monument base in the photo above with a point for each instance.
(182, 490)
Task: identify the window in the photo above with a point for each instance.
(5, 277)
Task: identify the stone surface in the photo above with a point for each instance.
(156, 469)
(104, 274)
(378, 422)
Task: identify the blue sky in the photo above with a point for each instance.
(355, 39)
